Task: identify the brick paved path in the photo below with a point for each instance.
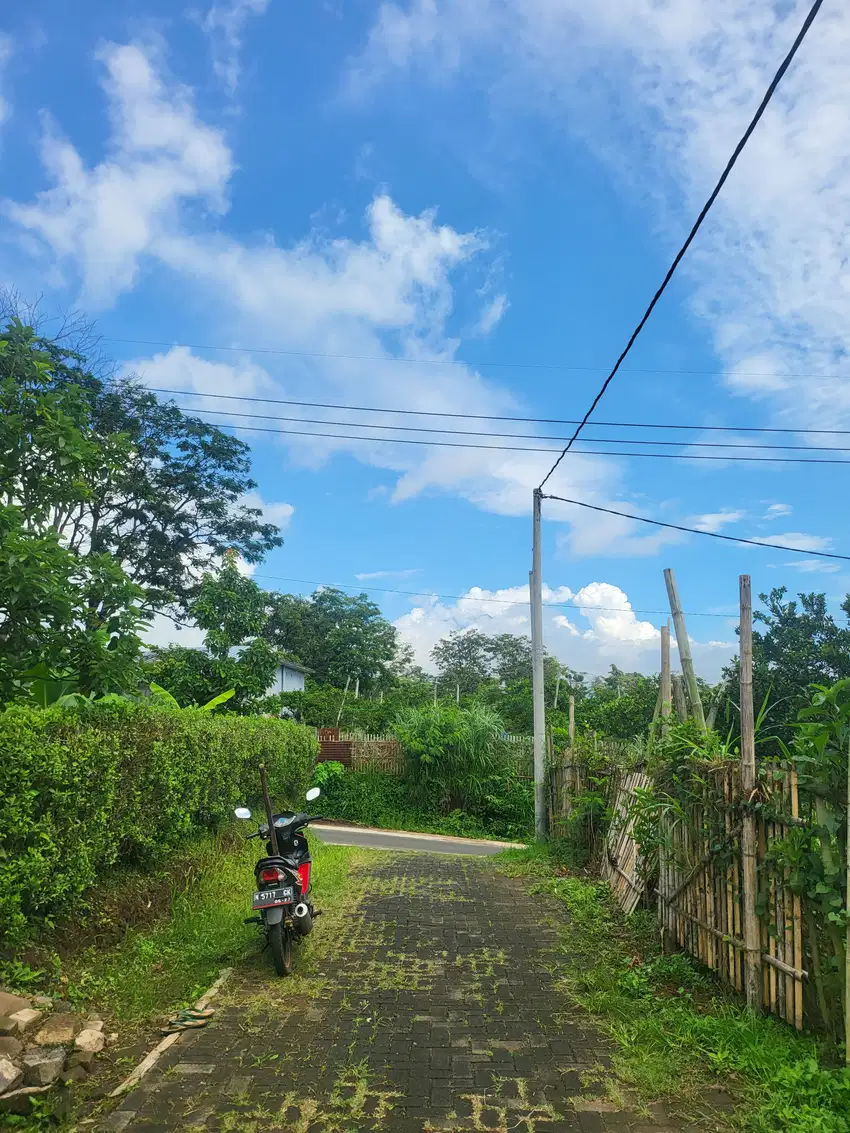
(431, 1009)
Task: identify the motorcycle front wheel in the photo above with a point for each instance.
(280, 942)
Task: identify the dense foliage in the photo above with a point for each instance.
(82, 789)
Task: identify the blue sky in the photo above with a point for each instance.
(492, 188)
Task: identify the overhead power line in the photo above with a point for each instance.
(696, 530)
(526, 448)
(680, 255)
(493, 416)
(472, 598)
(523, 436)
(384, 359)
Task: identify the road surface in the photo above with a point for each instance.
(373, 839)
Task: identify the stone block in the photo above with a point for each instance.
(10, 1047)
(10, 1003)
(26, 1019)
(88, 1040)
(43, 1065)
(18, 1101)
(57, 1030)
(11, 1075)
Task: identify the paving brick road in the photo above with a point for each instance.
(432, 1009)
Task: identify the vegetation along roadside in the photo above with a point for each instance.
(675, 1032)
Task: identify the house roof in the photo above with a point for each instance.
(294, 666)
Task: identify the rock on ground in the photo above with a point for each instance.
(57, 1030)
(90, 1040)
(19, 1101)
(10, 1075)
(10, 1047)
(10, 1003)
(26, 1019)
(43, 1065)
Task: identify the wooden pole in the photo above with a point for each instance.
(572, 723)
(749, 831)
(685, 658)
(557, 689)
(357, 689)
(666, 683)
(679, 697)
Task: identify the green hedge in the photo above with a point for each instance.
(84, 789)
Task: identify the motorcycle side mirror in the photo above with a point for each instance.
(242, 812)
(313, 793)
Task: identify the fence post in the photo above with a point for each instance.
(679, 697)
(749, 832)
(572, 725)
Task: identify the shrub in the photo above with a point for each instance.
(85, 788)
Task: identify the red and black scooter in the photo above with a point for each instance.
(282, 894)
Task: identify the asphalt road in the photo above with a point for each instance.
(373, 839)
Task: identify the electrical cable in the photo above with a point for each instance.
(491, 416)
(526, 448)
(696, 530)
(524, 436)
(471, 598)
(386, 360)
(680, 255)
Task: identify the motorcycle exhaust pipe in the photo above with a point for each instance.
(301, 919)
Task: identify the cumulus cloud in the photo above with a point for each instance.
(777, 511)
(664, 95)
(224, 24)
(342, 307)
(160, 156)
(595, 628)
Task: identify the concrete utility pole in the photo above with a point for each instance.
(749, 781)
(535, 590)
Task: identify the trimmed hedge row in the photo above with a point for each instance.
(84, 789)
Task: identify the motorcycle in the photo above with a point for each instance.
(282, 894)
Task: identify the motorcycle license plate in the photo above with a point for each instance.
(268, 898)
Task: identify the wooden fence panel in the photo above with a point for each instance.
(621, 864)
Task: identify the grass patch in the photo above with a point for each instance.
(166, 959)
(674, 1030)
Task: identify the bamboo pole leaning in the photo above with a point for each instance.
(684, 644)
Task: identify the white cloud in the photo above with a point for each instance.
(278, 513)
(800, 541)
(663, 96)
(354, 301)
(368, 576)
(223, 25)
(492, 314)
(160, 156)
(777, 511)
(812, 566)
(612, 634)
(713, 521)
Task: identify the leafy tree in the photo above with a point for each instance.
(510, 657)
(336, 636)
(463, 659)
(64, 618)
(159, 491)
(232, 609)
(801, 644)
(620, 704)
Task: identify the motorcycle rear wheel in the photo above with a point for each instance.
(280, 942)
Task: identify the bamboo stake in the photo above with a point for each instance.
(666, 684)
(749, 844)
(684, 644)
(572, 722)
(799, 959)
(679, 697)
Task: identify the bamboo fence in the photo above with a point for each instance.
(621, 865)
